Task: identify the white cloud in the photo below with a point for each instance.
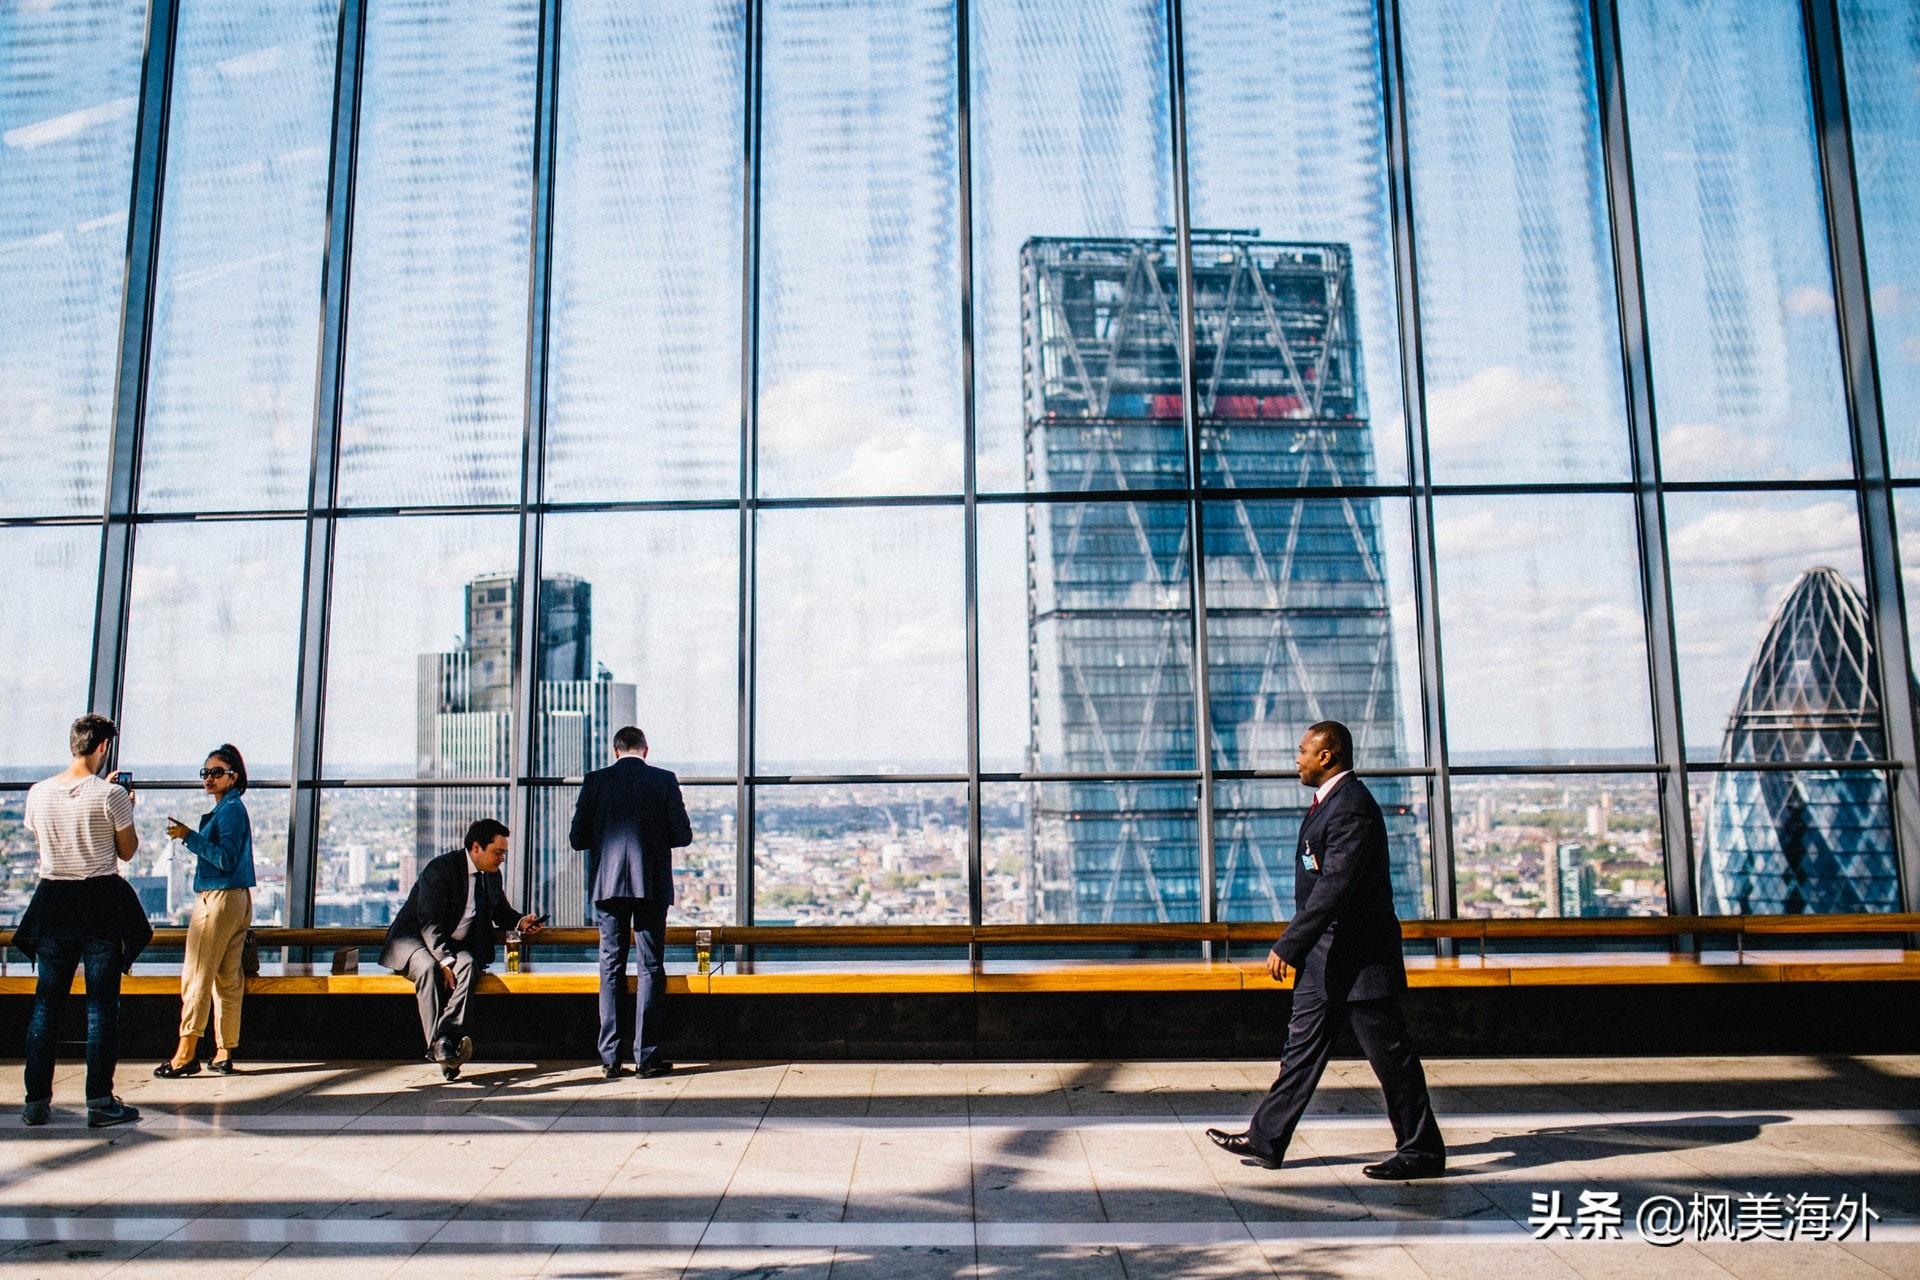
(1475, 534)
(1494, 401)
(1911, 350)
(1751, 534)
(1809, 300)
(1888, 299)
(823, 414)
(1710, 447)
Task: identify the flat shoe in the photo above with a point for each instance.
(167, 1071)
(221, 1066)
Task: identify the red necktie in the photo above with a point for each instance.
(1314, 805)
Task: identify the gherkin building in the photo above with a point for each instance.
(1811, 840)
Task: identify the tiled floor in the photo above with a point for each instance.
(940, 1170)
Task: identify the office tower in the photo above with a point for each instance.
(465, 726)
(1814, 840)
(1569, 881)
(1299, 628)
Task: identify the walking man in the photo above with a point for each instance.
(629, 820)
(1344, 944)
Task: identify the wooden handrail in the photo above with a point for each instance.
(1250, 932)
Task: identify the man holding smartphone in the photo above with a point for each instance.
(442, 937)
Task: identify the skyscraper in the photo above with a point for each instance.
(1814, 840)
(1299, 626)
(465, 724)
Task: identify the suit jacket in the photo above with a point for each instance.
(433, 909)
(1344, 937)
(629, 820)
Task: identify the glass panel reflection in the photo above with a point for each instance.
(644, 371)
(1256, 833)
(213, 646)
(68, 95)
(608, 635)
(703, 872)
(1518, 321)
(162, 871)
(1746, 360)
(1090, 852)
(237, 305)
(860, 283)
(46, 629)
(420, 648)
(437, 336)
(861, 854)
(1786, 843)
(1559, 845)
(1545, 643)
(1882, 45)
(1070, 136)
(1256, 75)
(860, 664)
(374, 840)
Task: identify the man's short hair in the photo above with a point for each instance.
(1337, 739)
(629, 740)
(483, 832)
(88, 732)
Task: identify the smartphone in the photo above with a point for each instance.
(122, 778)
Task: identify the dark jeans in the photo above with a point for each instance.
(1382, 1034)
(646, 920)
(57, 960)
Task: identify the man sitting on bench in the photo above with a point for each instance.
(442, 937)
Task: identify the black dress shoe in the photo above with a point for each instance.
(1405, 1168)
(653, 1067)
(167, 1071)
(613, 1071)
(221, 1066)
(1241, 1144)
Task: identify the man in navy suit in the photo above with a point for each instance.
(629, 820)
(1344, 944)
(443, 937)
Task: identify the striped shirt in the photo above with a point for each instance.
(74, 819)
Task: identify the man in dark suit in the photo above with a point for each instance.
(443, 937)
(629, 820)
(1344, 944)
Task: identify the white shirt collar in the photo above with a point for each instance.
(473, 868)
(1325, 789)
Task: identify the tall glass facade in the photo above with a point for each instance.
(974, 438)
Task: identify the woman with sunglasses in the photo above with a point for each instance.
(222, 909)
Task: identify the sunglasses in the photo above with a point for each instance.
(216, 773)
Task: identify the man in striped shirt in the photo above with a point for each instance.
(84, 826)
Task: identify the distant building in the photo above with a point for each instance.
(1570, 881)
(1299, 625)
(1811, 840)
(465, 727)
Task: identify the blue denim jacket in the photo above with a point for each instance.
(223, 846)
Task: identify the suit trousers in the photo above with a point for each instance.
(443, 1014)
(1382, 1033)
(646, 921)
(211, 973)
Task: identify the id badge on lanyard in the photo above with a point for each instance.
(1309, 860)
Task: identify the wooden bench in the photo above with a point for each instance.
(1235, 960)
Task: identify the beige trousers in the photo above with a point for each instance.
(212, 970)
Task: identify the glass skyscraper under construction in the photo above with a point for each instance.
(1298, 611)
